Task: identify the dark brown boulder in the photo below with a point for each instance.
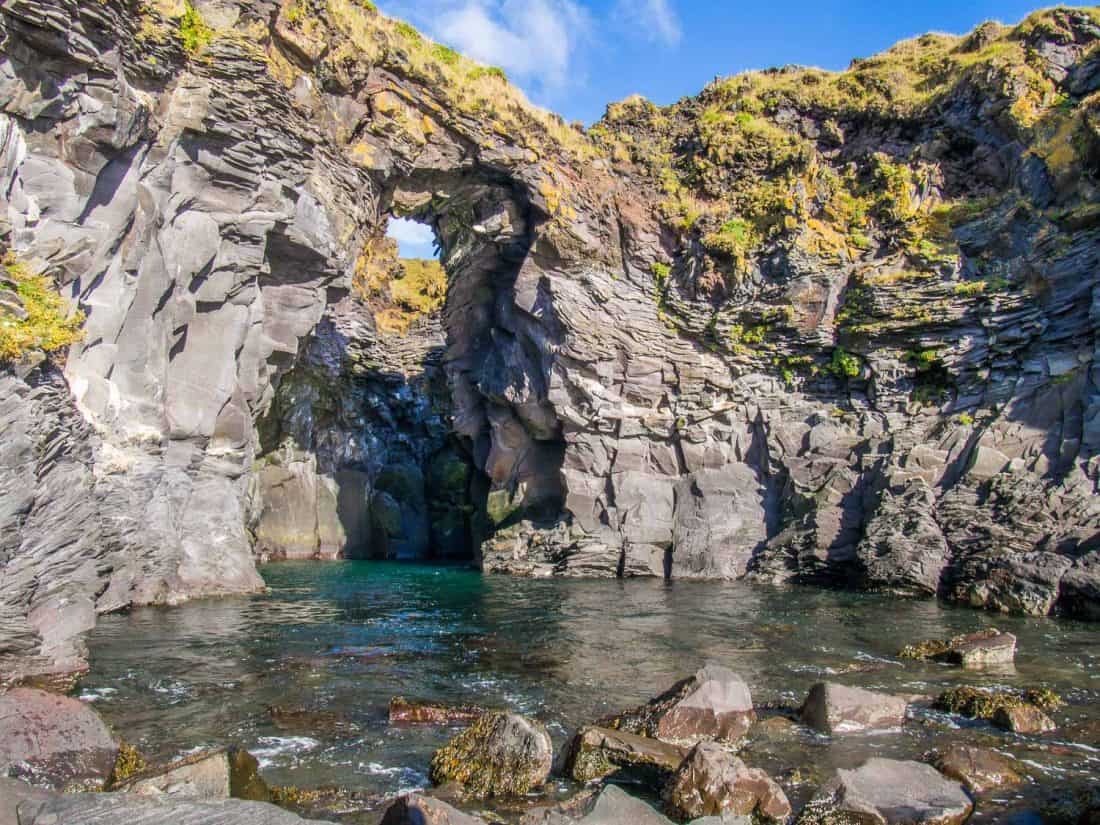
(979, 769)
(836, 709)
(1023, 719)
(405, 711)
(501, 754)
(599, 752)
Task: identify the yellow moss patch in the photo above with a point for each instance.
(48, 326)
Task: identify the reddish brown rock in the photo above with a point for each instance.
(715, 703)
(979, 769)
(404, 711)
(1023, 719)
(713, 782)
(54, 741)
(834, 709)
(417, 809)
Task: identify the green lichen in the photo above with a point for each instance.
(195, 34)
(976, 703)
(129, 763)
(844, 365)
(47, 327)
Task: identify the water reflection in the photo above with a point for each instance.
(302, 675)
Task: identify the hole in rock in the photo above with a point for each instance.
(414, 420)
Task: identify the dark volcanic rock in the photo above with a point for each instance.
(889, 792)
(838, 709)
(54, 741)
(500, 754)
(713, 782)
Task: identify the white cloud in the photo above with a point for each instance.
(403, 230)
(655, 20)
(530, 39)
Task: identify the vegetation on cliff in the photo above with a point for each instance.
(399, 290)
(32, 315)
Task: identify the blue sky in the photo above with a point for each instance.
(576, 56)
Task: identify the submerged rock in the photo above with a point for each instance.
(713, 782)
(979, 769)
(54, 741)
(219, 774)
(889, 792)
(1023, 719)
(405, 711)
(417, 809)
(596, 753)
(715, 703)
(611, 805)
(975, 650)
(501, 754)
(835, 709)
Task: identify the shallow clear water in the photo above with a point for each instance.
(330, 644)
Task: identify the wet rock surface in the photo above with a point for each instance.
(596, 753)
(406, 711)
(500, 754)
(979, 769)
(713, 782)
(228, 773)
(608, 806)
(832, 708)
(417, 809)
(54, 741)
(890, 792)
(715, 703)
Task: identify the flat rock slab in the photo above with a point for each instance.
(599, 752)
(889, 792)
(712, 781)
(36, 808)
(54, 740)
(836, 709)
(414, 712)
(220, 774)
(979, 769)
(611, 806)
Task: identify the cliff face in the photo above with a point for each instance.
(806, 326)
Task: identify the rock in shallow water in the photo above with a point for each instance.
(220, 774)
(417, 809)
(889, 792)
(1023, 719)
(501, 754)
(404, 711)
(979, 769)
(712, 781)
(834, 709)
(715, 703)
(54, 741)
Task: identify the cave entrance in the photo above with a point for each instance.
(414, 421)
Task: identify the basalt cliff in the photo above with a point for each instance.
(838, 328)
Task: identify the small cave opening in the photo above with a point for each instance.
(414, 420)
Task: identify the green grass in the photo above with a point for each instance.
(844, 365)
(195, 34)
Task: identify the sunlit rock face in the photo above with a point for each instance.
(596, 396)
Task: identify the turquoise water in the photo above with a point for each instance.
(330, 644)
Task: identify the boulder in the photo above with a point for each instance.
(1023, 719)
(715, 703)
(219, 774)
(501, 754)
(974, 650)
(979, 769)
(712, 781)
(889, 792)
(407, 711)
(610, 806)
(54, 741)
(834, 709)
(599, 752)
(417, 809)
